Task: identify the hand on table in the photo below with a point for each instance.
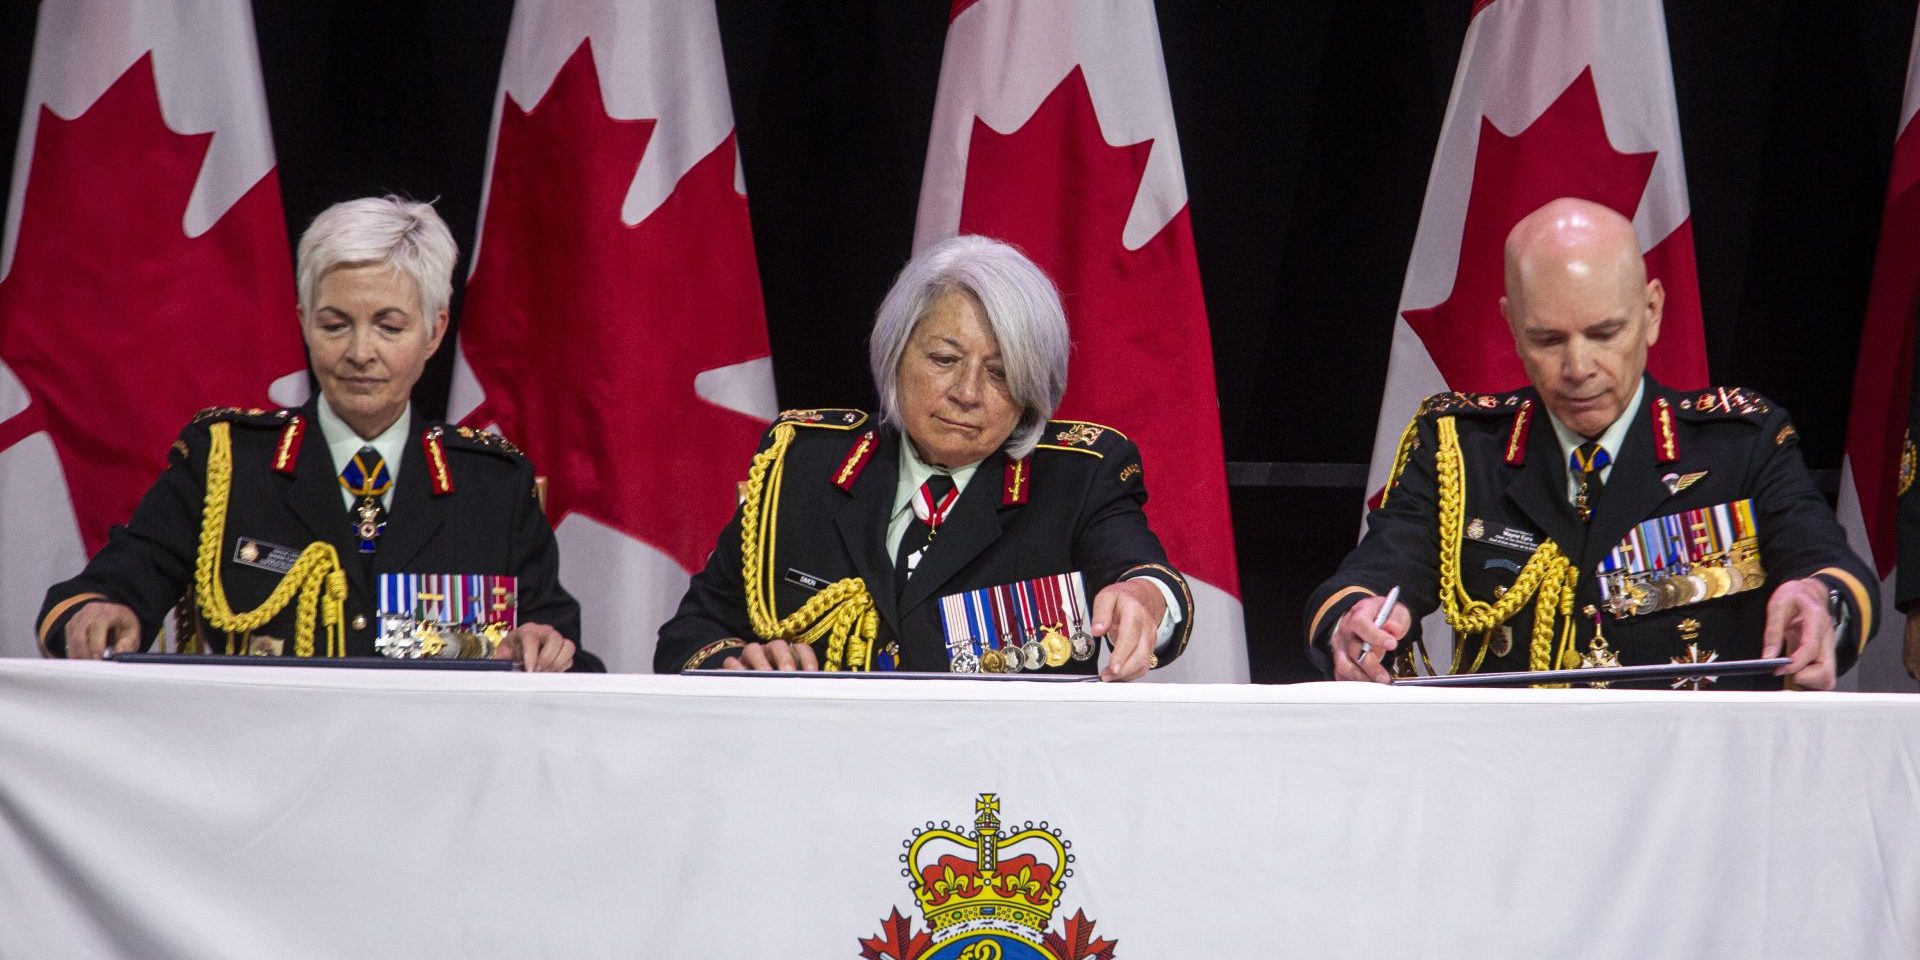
(1128, 614)
(538, 648)
(1797, 622)
(99, 626)
(773, 655)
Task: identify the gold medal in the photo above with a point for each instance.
(1056, 645)
(992, 662)
(1719, 583)
(432, 641)
(1696, 588)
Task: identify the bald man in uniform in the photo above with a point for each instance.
(1596, 517)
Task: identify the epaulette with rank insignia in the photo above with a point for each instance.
(1079, 436)
(1483, 404)
(1725, 402)
(251, 416)
(831, 418)
(293, 429)
(487, 440)
(1456, 403)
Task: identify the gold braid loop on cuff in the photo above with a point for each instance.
(316, 575)
(842, 612)
(711, 650)
(1548, 578)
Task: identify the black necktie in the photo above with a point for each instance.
(1586, 463)
(930, 505)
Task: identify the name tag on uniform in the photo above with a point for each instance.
(805, 580)
(251, 552)
(1502, 536)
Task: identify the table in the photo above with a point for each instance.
(183, 810)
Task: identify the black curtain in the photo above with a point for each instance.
(1307, 130)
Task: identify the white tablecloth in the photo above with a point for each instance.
(192, 811)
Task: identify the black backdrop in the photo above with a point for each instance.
(1307, 129)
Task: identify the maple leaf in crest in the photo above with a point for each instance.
(118, 324)
(586, 333)
(1076, 941)
(1141, 360)
(1563, 153)
(896, 940)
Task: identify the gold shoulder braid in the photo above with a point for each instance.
(1548, 574)
(316, 574)
(842, 612)
(1402, 453)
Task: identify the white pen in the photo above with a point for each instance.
(1379, 620)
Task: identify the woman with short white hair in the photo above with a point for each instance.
(348, 526)
(963, 529)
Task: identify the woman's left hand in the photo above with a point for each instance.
(1128, 614)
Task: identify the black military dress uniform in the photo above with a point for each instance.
(464, 502)
(1684, 451)
(1075, 504)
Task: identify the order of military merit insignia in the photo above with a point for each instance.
(1017, 626)
(1683, 558)
(451, 615)
(989, 893)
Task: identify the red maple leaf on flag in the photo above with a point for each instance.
(587, 333)
(1076, 941)
(118, 324)
(1563, 153)
(1142, 358)
(897, 940)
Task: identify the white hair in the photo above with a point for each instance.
(402, 234)
(1022, 307)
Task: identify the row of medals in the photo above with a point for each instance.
(1721, 575)
(1050, 647)
(405, 638)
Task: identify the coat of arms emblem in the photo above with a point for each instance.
(986, 894)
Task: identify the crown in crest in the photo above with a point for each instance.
(993, 877)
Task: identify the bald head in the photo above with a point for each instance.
(1582, 310)
(1573, 236)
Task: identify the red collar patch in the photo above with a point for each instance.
(438, 479)
(856, 462)
(1517, 438)
(287, 453)
(1666, 443)
(1019, 479)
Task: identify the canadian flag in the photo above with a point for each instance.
(1882, 392)
(613, 325)
(144, 273)
(1053, 130)
(1551, 99)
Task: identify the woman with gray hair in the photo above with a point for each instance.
(293, 532)
(963, 529)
